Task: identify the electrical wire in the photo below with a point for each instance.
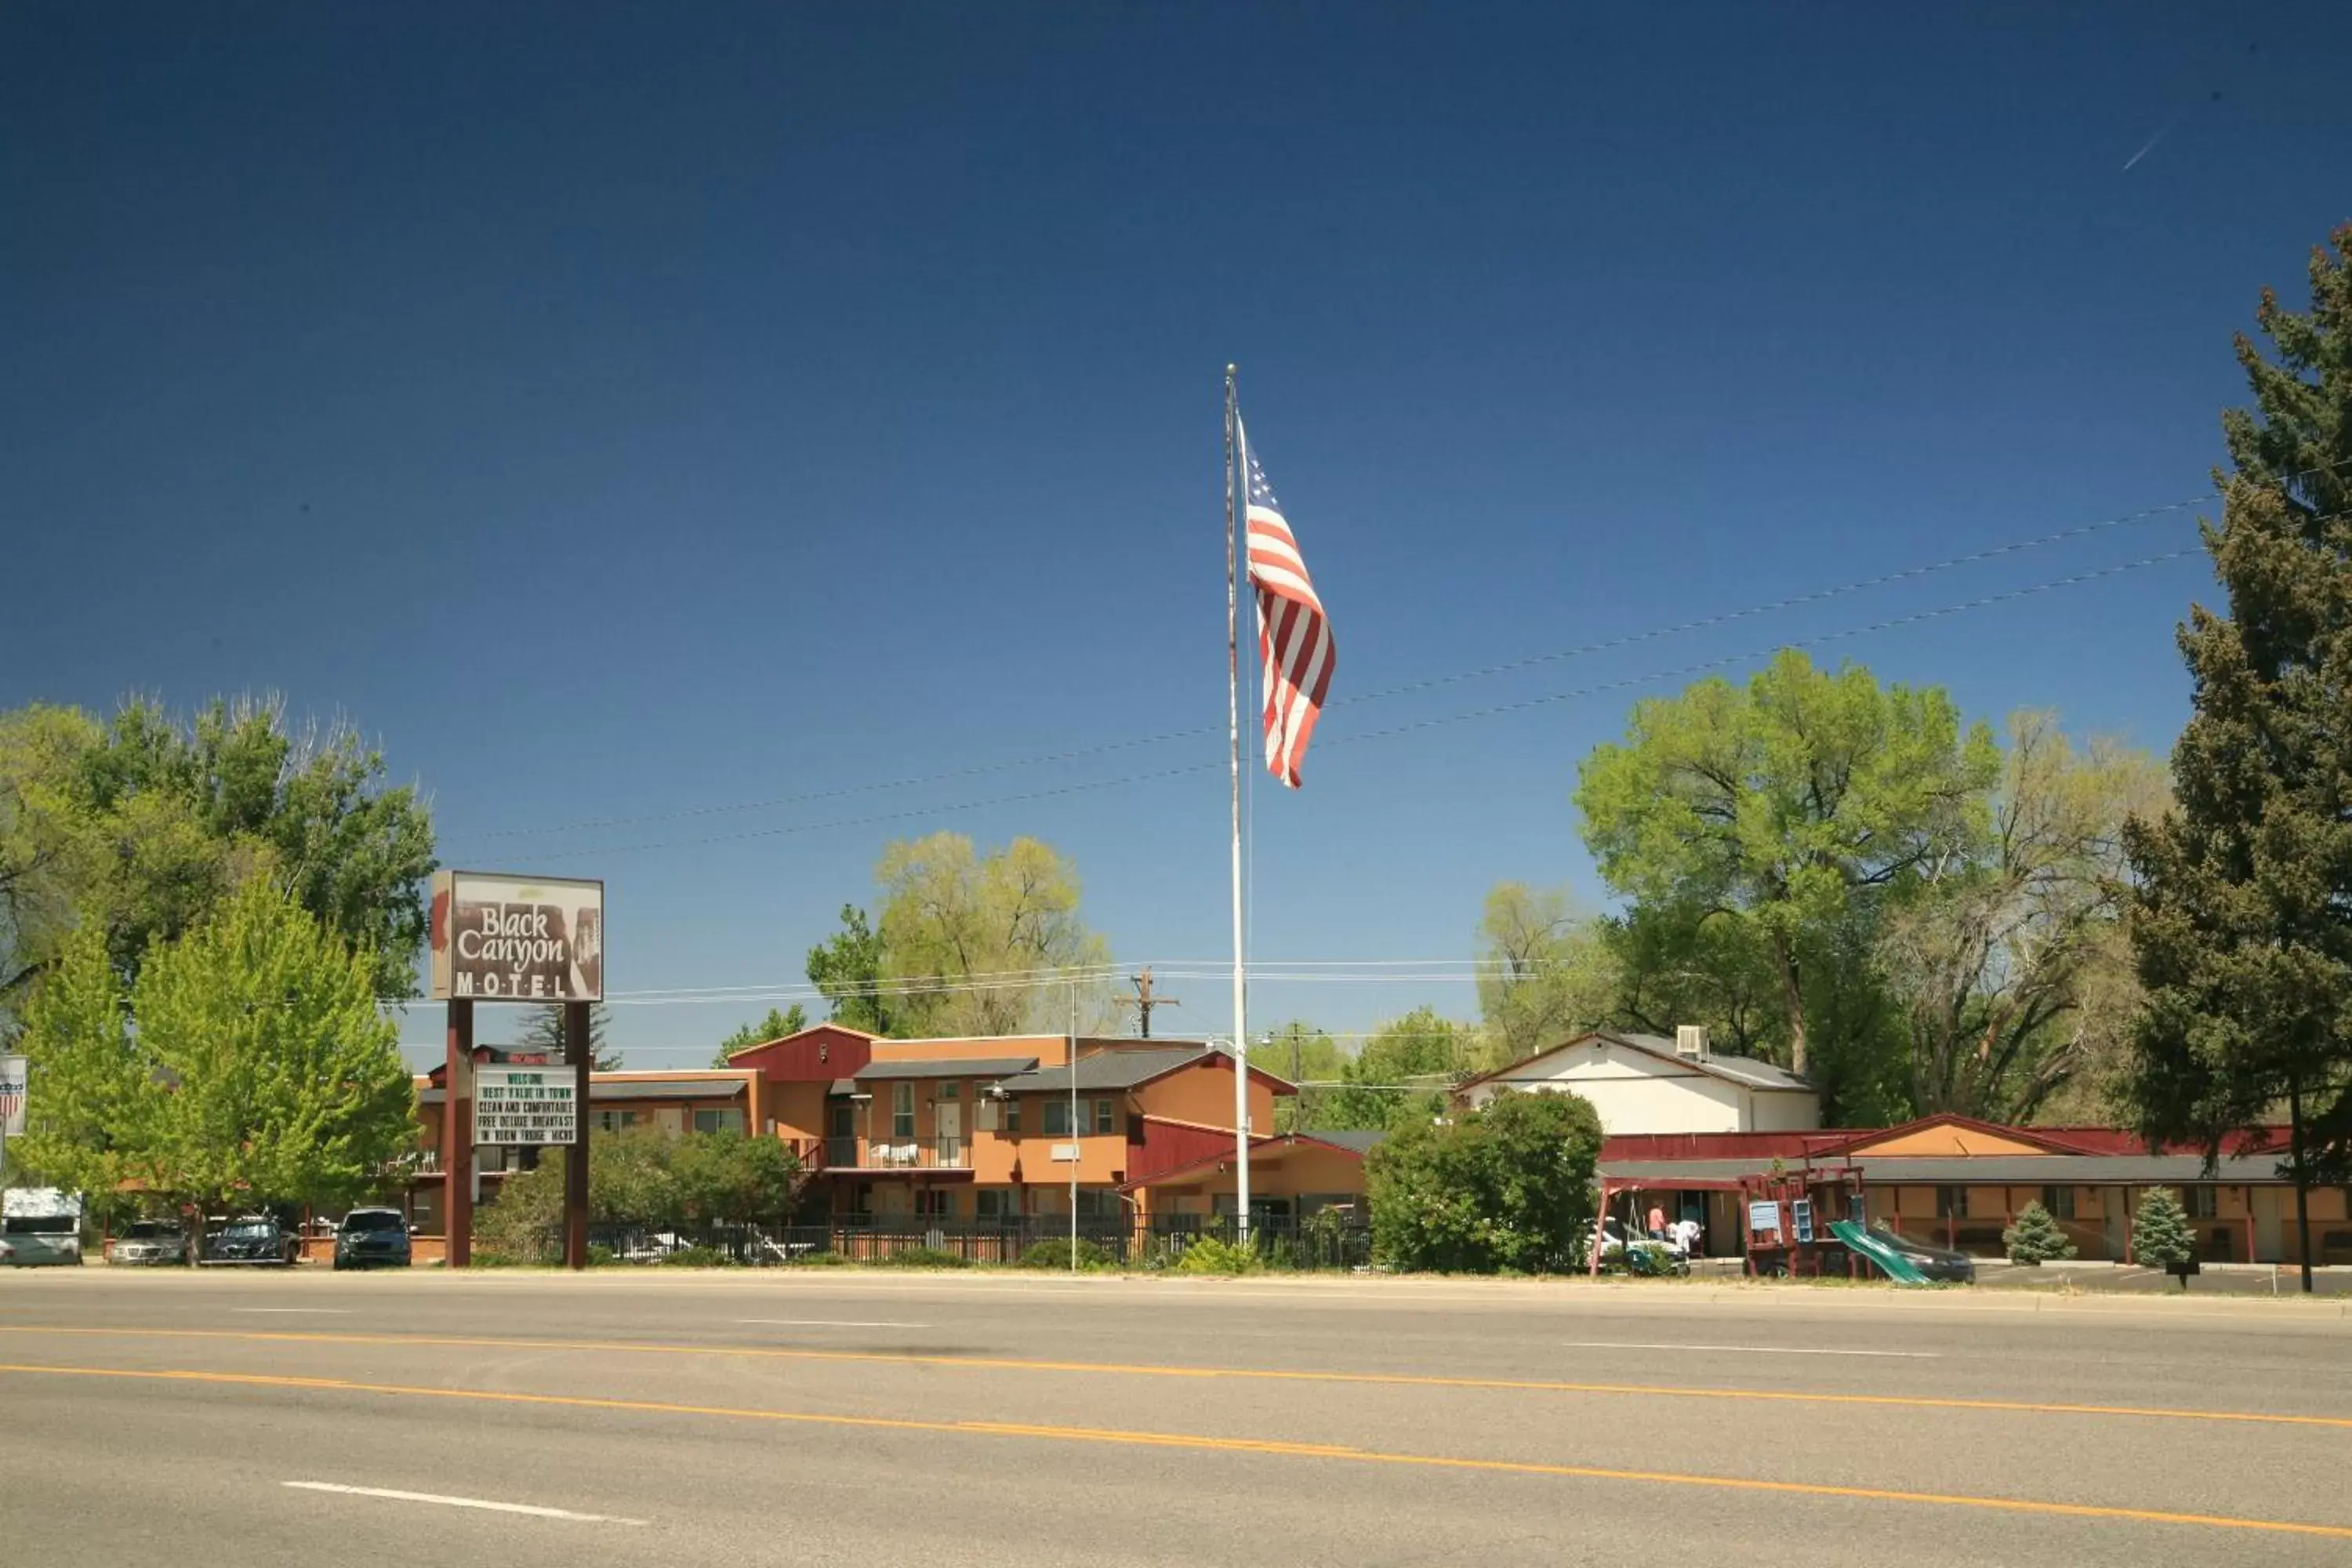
(1793, 601)
(1325, 742)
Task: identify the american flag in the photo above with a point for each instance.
(12, 1097)
(1294, 638)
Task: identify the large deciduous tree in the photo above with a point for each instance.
(2009, 958)
(1777, 806)
(1400, 1077)
(143, 826)
(977, 942)
(848, 968)
(1548, 973)
(2242, 919)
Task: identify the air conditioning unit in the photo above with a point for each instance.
(1690, 1041)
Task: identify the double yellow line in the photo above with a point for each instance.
(1208, 1443)
(1258, 1375)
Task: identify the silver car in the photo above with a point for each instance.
(146, 1242)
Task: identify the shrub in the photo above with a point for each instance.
(1507, 1187)
(821, 1260)
(1208, 1254)
(696, 1257)
(923, 1257)
(2035, 1237)
(1055, 1254)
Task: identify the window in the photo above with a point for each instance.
(950, 1089)
(1951, 1203)
(995, 1204)
(2203, 1203)
(902, 1109)
(1106, 1116)
(2059, 1201)
(727, 1118)
(1057, 1118)
(1013, 1116)
(1098, 1202)
(615, 1120)
(936, 1203)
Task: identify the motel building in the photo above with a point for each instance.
(907, 1137)
(1695, 1135)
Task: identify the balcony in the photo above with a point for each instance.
(898, 1154)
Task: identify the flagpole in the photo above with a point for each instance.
(1233, 732)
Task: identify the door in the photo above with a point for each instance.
(947, 1125)
(2270, 1214)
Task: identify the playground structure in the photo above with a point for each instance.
(1807, 1221)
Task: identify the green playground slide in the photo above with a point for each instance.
(1893, 1264)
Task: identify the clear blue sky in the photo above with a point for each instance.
(621, 411)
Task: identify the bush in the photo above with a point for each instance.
(1055, 1254)
(923, 1257)
(821, 1260)
(2035, 1237)
(1507, 1187)
(696, 1257)
(1208, 1254)
(602, 1256)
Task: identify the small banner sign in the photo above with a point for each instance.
(524, 1107)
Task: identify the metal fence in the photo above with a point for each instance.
(1320, 1242)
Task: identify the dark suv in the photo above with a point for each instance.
(371, 1238)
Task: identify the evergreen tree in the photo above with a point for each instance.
(2035, 1237)
(2242, 923)
(542, 1030)
(2161, 1237)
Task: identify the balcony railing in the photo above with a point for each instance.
(899, 1153)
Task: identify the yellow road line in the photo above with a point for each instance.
(1209, 1444)
(1265, 1375)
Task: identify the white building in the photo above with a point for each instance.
(1646, 1083)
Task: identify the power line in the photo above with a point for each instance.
(1326, 742)
(1630, 639)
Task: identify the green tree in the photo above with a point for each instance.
(2035, 1237)
(992, 930)
(1507, 1186)
(774, 1027)
(848, 968)
(1778, 806)
(542, 1030)
(733, 1178)
(257, 1068)
(2011, 960)
(89, 1116)
(2241, 921)
(1306, 1057)
(2162, 1237)
(1549, 974)
(1400, 1077)
(154, 821)
(650, 1178)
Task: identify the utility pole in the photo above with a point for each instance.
(1144, 1001)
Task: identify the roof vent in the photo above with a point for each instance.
(1690, 1041)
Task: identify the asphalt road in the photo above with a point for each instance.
(841, 1418)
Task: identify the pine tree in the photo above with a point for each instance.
(2242, 923)
(2035, 1237)
(2161, 1237)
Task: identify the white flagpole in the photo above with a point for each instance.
(1236, 456)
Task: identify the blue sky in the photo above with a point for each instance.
(622, 412)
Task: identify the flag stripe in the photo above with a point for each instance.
(1294, 645)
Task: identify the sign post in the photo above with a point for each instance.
(575, 1169)
(499, 938)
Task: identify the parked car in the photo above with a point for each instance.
(1935, 1262)
(255, 1239)
(373, 1238)
(148, 1243)
(41, 1227)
